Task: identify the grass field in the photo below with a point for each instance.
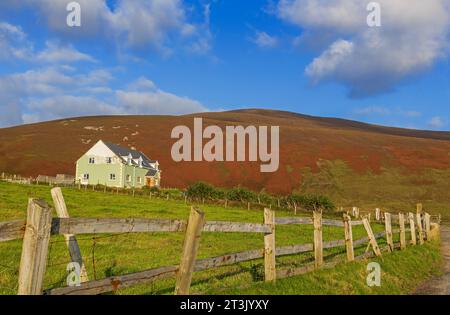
(107, 255)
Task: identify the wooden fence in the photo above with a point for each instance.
(37, 229)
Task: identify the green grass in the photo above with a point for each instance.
(106, 255)
(401, 273)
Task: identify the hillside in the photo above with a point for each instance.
(309, 146)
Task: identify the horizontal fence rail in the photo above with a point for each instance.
(37, 229)
(147, 276)
(15, 229)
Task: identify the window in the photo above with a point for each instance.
(128, 178)
(108, 160)
(91, 160)
(112, 176)
(139, 179)
(85, 176)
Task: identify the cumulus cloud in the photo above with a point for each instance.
(371, 111)
(58, 92)
(138, 24)
(157, 102)
(369, 60)
(13, 43)
(436, 122)
(59, 106)
(264, 40)
(54, 53)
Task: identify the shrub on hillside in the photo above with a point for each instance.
(241, 194)
(200, 191)
(316, 202)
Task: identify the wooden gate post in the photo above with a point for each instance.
(190, 249)
(33, 261)
(348, 237)
(401, 222)
(419, 208)
(71, 240)
(419, 227)
(377, 214)
(269, 246)
(427, 225)
(412, 228)
(388, 227)
(354, 209)
(372, 239)
(318, 244)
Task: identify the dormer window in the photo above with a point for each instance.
(140, 161)
(129, 159)
(91, 160)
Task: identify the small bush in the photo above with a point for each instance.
(200, 191)
(241, 194)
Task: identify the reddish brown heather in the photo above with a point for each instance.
(53, 147)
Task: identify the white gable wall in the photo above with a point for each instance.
(100, 149)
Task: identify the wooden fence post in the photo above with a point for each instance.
(412, 228)
(269, 246)
(71, 240)
(401, 222)
(348, 237)
(318, 244)
(419, 208)
(190, 249)
(33, 261)
(427, 225)
(388, 227)
(419, 227)
(377, 214)
(372, 239)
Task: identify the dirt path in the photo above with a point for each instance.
(440, 285)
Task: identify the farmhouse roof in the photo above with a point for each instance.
(135, 154)
(151, 172)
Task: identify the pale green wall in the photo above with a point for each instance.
(134, 173)
(99, 173)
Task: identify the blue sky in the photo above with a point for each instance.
(176, 57)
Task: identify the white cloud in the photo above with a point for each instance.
(372, 110)
(264, 40)
(55, 53)
(157, 103)
(397, 111)
(147, 22)
(58, 92)
(138, 23)
(436, 122)
(330, 60)
(13, 42)
(54, 107)
(413, 36)
(14, 45)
